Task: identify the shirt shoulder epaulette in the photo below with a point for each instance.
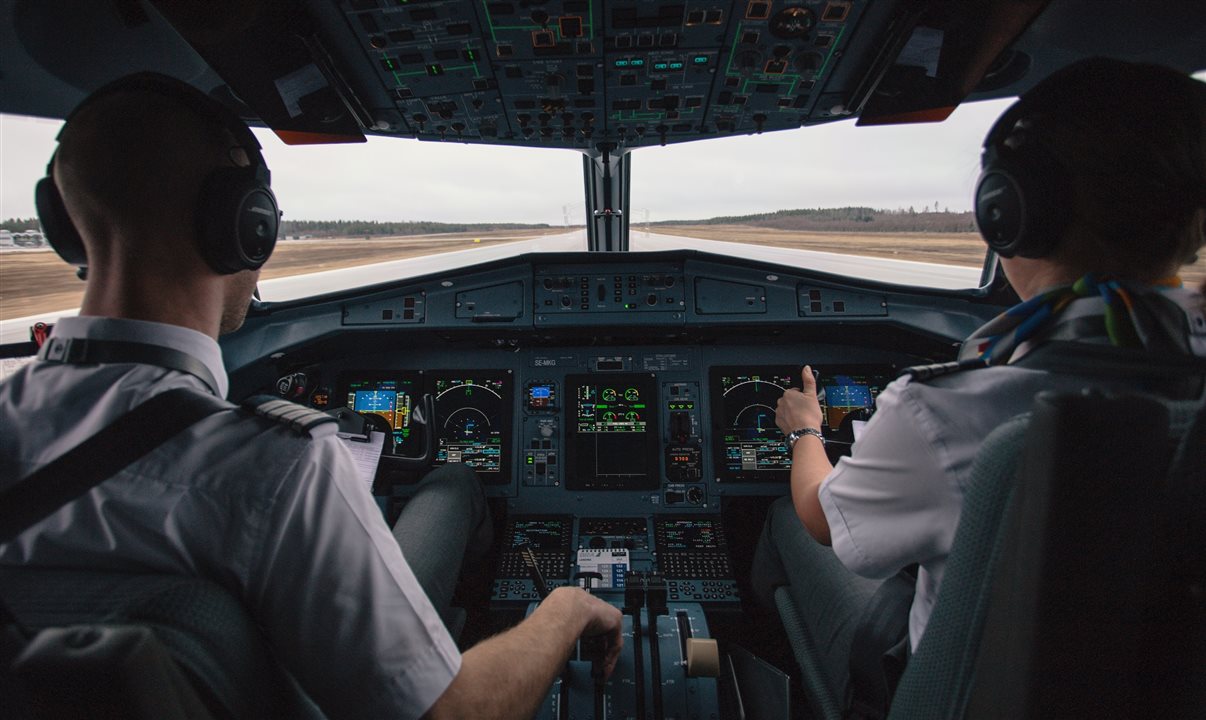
(921, 373)
(300, 419)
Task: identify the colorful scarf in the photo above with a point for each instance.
(1136, 315)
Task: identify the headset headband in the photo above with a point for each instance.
(237, 218)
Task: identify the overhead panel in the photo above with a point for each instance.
(577, 73)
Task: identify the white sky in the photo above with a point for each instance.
(391, 179)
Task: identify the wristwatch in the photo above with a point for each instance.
(795, 435)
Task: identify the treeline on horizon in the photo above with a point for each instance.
(370, 228)
(844, 219)
(849, 219)
(340, 228)
(18, 225)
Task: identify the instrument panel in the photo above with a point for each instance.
(636, 387)
(545, 426)
(610, 407)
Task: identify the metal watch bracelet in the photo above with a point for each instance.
(795, 435)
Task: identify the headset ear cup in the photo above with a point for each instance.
(1018, 204)
(56, 223)
(237, 220)
(999, 211)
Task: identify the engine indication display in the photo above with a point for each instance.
(612, 439)
(473, 413)
(749, 446)
(391, 398)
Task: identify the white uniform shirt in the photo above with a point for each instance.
(278, 519)
(897, 499)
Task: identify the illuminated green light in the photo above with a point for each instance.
(676, 66)
(661, 66)
(621, 63)
(700, 59)
(638, 62)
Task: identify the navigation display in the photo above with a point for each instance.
(748, 446)
(612, 434)
(392, 399)
(473, 420)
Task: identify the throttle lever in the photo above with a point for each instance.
(529, 563)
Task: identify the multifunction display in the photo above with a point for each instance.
(540, 397)
(746, 443)
(540, 532)
(473, 413)
(612, 434)
(548, 536)
(689, 533)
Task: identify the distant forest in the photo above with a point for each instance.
(369, 228)
(20, 225)
(846, 219)
(849, 219)
(340, 228)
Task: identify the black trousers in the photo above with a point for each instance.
(445, 524)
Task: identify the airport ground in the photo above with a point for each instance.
(35, 281)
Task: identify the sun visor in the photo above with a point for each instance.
(274, 65)
(952, 45)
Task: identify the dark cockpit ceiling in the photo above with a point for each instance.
(579, 74)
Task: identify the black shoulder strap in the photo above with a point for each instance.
(102, 456)
(921, 373)
(83, 351)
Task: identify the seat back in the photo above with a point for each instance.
(1069, 591)
(211, 638)
(937, 679)
(1097, 606)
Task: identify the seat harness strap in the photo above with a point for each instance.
(102, 456)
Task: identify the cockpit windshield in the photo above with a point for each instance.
(888, 204)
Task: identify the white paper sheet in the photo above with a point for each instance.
(367, 455)
(610, 563)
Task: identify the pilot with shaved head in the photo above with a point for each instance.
(163, 194)
(1093, 192)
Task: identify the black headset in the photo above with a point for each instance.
(237, 215)
(1023, 196)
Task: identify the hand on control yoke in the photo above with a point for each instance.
(799, 408)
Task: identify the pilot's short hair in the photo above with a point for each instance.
(125, 151)
(1132, 138)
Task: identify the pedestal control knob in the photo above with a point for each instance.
(703, 658)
